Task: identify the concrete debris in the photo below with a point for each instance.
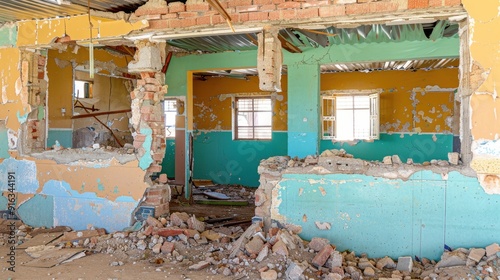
(405, 264)
(277, 253)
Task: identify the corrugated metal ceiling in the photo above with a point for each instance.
(409, 65)
(14, 10)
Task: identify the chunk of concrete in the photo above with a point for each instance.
(387, 160)
(492, 249)
(294, 271)
(255, 245)
(385, 262)
(405, 264)
(476, 254)
(269, 275)
(453, 158)
(335, 260)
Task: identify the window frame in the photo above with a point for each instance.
(330, 132)
(173, 100)
(235, 110)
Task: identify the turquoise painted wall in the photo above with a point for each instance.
(224, 161)
(64, 136)
(4, 144)
(38, 211)
(419, 147)
(381, 216)
(8, 35)
(168, 163)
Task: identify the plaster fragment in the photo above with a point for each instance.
(490, 183)
(301, 190)
(323, 226)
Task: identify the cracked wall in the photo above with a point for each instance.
(76, 188)
(374, 208)
(484, 101)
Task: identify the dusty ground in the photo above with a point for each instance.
(97, 266)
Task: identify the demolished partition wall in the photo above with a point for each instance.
(72, 187)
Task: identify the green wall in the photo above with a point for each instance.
(224, 161)
(419, 147)
(63, 136)
(168, 163)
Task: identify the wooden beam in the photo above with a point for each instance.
(100, 113)
(287, 45)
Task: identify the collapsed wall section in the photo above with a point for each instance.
(376, 208)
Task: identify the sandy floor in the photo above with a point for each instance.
(97, 266)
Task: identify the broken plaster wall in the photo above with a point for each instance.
(76, 188)
(484, 101)
(378, 209)
(416, 112)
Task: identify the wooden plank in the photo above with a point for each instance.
(40, 239)
(222, 202)
(55, 257)
(100, 113)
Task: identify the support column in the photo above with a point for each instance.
(303, 110)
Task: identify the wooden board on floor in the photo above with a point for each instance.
(55, 257)
(40, 239)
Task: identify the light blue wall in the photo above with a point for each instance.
(419, 147)
(59, 204)
(224, 161)
(381, 216)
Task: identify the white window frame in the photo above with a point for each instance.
(235, 117)
(169, 127)
(329, 119)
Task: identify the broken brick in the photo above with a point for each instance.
(320, 259)
(165, 232)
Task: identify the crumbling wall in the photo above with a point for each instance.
(379, 209)
(484, 102)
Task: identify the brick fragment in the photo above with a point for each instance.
(175, 7)
(320, 259)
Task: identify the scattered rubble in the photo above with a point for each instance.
(278, 253)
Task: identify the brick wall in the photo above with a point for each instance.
(179, 15)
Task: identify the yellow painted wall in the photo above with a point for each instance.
(60, 75)
(404, 96)
(212, 102)
(45, 31)
(484, 50)
(10, 102)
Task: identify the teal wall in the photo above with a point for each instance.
(224, 161)
(381, 216)
(168, 163)
(8, 35)
(64, 136)
(4, 144)
(419, 147)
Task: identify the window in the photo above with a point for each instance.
(350, 117)
(253, 118)
(83, 89)
(170, 110)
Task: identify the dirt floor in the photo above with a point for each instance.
(97, 266)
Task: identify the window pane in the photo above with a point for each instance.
(362, 124)
(263, 118)
(262, 133)
(245, 119)
(245, 132)
(245, 104)
(344, 102)
(345, 124)
(361, 102)
(170, 111)
(262, 105)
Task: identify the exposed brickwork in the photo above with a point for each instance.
(418, 4)
(190, 15)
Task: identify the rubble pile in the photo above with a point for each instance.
(278, 253)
